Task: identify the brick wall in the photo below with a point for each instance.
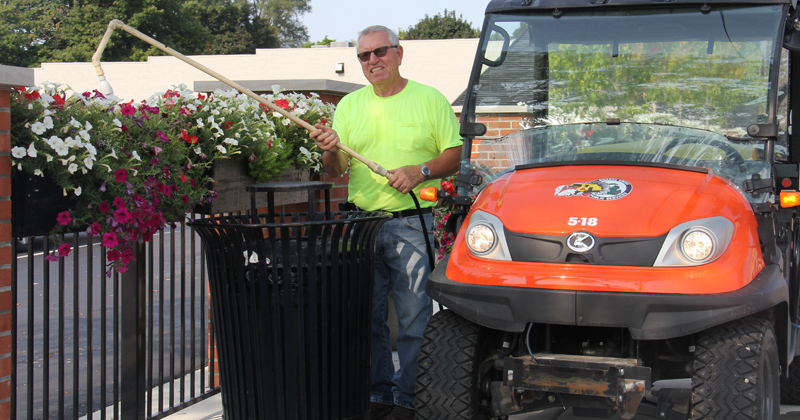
(6, 336)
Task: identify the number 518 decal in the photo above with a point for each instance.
(582, 221)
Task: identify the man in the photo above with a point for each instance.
(410, 129)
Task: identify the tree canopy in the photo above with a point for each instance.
(440, 26)
(36, 31)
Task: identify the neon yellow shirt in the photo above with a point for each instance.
(409, 128)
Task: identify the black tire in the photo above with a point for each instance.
(448, 373)
(736, 372)
(790, 387)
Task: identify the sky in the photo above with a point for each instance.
(341, 20)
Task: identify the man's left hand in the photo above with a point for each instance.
(406, 178)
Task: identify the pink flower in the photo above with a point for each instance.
(95, 228)
(110, 241)
(160, 134)
(120, 175)
(64, 250)
(119, 202)
(122, 215)
(113, 255)
(64, 218)
(127, 109)
(103, 207)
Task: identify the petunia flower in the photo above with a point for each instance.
(110, 241)
(120, 175)
(64, 218)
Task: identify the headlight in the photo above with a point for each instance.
(485, 237)
(480, 238)
(697, 244)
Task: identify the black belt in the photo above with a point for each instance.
(407, 213)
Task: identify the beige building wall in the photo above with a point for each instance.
(443, 64)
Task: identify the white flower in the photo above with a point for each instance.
(231, 141)
(88, 162)
(90, 147)
(85, 135)
(61, 149)
(276, 89)
(198, 150)
(38, 128)
(69, 142)
(286, 121)
(88, 126)
(117, 123)
(48, 122)
(136, 156)
(200, 123)
(32, 151)
(114, 154)
(72, 168)
(18, 152)
(49, 158)
(75, 123)
(38, 172)
(78, 191)
(221, 149)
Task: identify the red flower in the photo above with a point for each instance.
(127, 109)
(185, 198)
(58, 102)
(120, 175)
(103, 207)
(283, 103)
(33, 95)
(113, 255)
(124, 127)
(188, 138)
(228, 124)
(183, 177)
(64, 218)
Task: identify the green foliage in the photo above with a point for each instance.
(36, 31)
(286, 17)
(444, 26)
(325, 41)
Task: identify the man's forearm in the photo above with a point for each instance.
(335, 163)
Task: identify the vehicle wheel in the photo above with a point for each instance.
(448, 373)
(736, 372)
(790, 387)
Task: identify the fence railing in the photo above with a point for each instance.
(130, 346)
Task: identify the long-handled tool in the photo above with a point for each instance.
(105, 88)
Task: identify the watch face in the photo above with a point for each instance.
(425, 171)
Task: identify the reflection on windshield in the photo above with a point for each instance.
(626, 142)
(673, 66)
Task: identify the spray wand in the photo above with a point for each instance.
(105, 88)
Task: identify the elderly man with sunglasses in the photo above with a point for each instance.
(410, 129)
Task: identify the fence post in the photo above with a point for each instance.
(9, 77)
(133, 326)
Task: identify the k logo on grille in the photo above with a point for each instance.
(580, 242)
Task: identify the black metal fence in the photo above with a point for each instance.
(129, 346)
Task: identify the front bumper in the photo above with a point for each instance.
(648, 316)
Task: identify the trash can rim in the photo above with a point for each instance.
(210, 221)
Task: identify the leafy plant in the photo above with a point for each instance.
(133, 168)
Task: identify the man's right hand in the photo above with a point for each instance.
(326, 138)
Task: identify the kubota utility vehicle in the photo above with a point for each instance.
(632, 247)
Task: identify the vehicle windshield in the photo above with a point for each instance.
(660, 78)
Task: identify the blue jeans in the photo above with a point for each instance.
(402, 268)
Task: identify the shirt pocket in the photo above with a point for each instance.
(410, 136)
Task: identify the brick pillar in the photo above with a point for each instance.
(6, 335)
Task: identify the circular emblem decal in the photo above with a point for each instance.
(580, 242)
(600, 189)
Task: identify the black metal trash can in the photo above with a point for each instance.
(291, 297)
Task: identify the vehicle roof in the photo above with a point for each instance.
(516, 5)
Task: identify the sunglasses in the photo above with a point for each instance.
(379, 52)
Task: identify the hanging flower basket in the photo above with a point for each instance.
(130, 169)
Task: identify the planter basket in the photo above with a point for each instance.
(291, 298)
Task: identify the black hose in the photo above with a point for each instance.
(424, 229)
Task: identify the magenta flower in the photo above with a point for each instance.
(127, 109)
(119, 202)
(64, 250)
(160, 134)
(95, 228)
(103, 207)
(110, 241)
(64, 218)
(122, 215)
(120, 175)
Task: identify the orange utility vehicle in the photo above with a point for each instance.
(632, 248)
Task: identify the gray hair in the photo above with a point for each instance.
(378, 28)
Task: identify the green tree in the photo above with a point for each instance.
(325, 41)
(286, 17)
(444, 26)
(26, 28)
(234, 27)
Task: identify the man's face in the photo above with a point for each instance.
(380, 71)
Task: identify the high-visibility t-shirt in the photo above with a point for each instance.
(409, 128)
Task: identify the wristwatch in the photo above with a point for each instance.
(425, 171)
